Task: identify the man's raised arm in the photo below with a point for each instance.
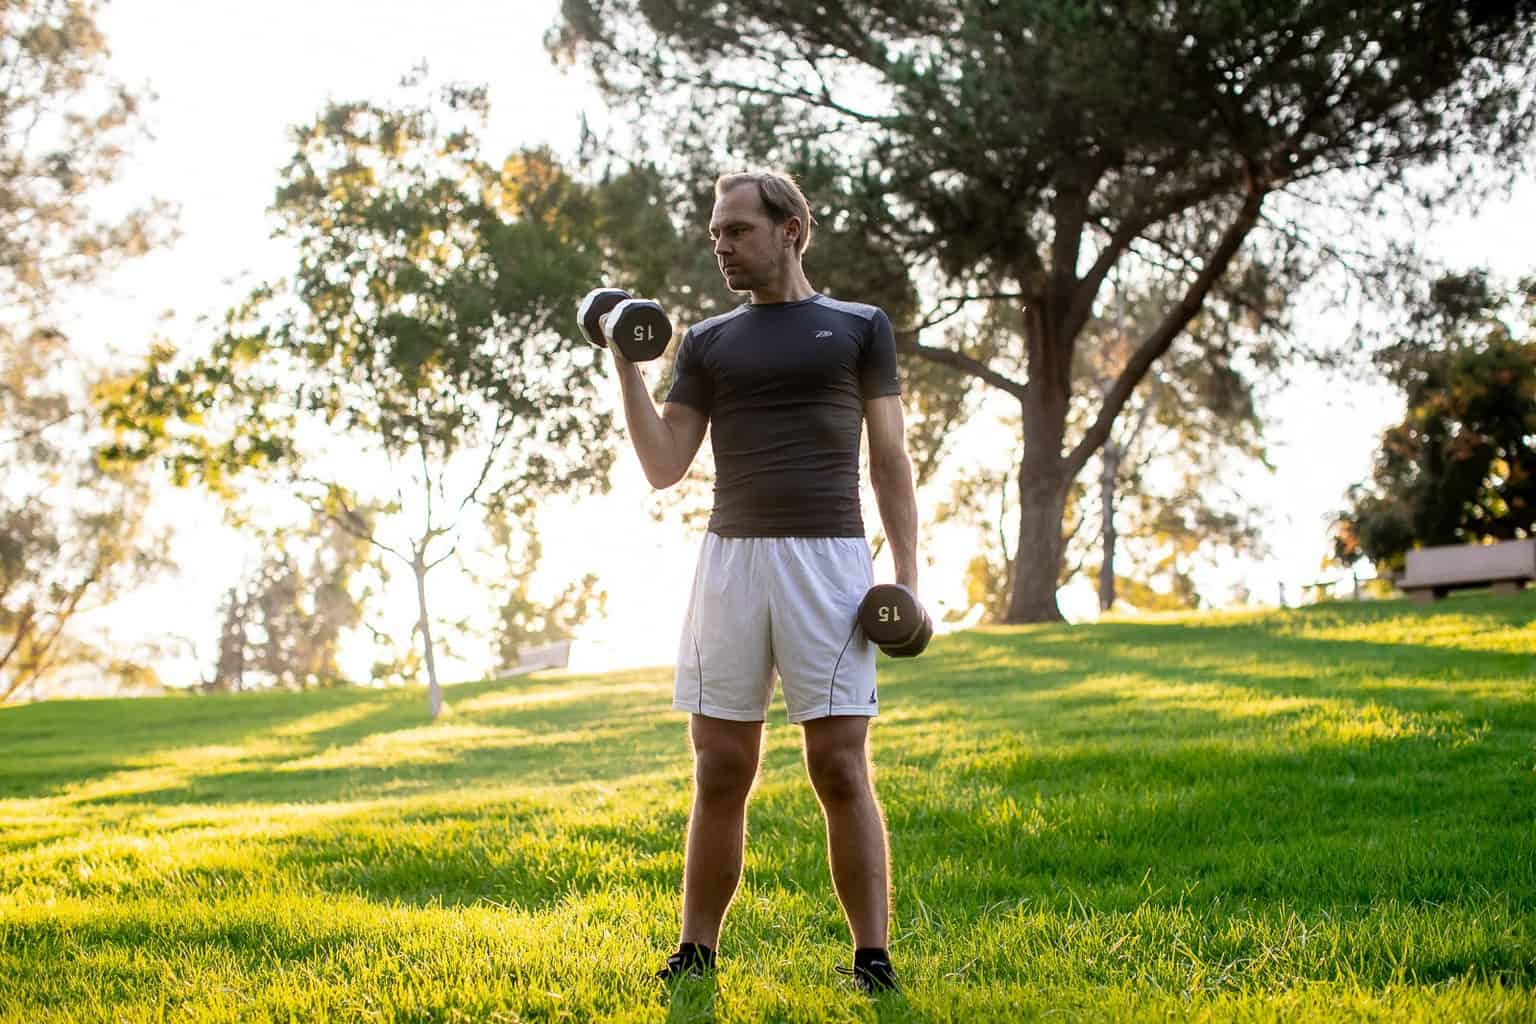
(666, 442)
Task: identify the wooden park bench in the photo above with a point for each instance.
(531, 659)
(1433, 572)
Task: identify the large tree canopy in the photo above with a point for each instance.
(1029, 150)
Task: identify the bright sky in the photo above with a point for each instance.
(231, 77)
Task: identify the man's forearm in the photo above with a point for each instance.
(650, 433)
(897, 498)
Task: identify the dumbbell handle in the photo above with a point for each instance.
(602, 325)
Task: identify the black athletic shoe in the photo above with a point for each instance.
(690, 961)
(871, 973)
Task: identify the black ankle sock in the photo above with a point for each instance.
(865, 954)
(697, 952)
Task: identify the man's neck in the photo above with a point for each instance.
(794, 288)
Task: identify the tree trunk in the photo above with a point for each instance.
(1041, 548)
(1037, 566)
(1043, 480)
(229, 669)
(23, 629)
(1110, 456)
(434, 692)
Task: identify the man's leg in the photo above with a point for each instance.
(838, 765)
(725, 757)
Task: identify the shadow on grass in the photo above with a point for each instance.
(552, 754)
(334, 745)
(692, 1001)
(983, 666)
(49, 747)
(893, 1008)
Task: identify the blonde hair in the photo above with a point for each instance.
(781, 197)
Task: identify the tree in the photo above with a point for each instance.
(1461, 466)
(65, 129)
(1156, 508)
(73, 536)
(1029, 151)
(1164, 465)
(522, 620)
(284, 622)
(426, 338)
(1157, 503)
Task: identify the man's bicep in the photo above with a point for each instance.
(687, 425)
(887, 433)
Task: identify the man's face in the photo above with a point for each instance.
(749, 247)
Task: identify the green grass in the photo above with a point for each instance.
(1312, 814)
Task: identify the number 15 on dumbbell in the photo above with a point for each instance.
(638, 328)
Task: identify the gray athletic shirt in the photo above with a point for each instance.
(784, 386)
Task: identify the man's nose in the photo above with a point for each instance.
(720, 246)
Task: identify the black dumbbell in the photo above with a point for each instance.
(894, 619)
(639, 328)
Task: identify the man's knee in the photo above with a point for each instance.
(839, 775)
(723, 775)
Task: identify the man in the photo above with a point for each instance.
(786, 381)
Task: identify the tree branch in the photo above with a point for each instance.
(1265, 320)
(959, 302)
(23, 626)
(1171, 326)
(426, 474)
(1142, 416)
(1121, 239)
(439, 561)
(498, 438)
(348, 523)
(35, 431)
(934, 456)
(906, 341)
(1069, 213)
(41, 660)
(825, 100)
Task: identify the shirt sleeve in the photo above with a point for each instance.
(691, 385)
(877, 360)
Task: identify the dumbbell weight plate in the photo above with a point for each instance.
(598, 303)
(640, 329)
(917, 644)
(890, 615)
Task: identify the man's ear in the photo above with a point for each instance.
(792, 229)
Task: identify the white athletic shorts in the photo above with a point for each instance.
(785, 603)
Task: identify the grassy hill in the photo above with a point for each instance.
(1312, 814)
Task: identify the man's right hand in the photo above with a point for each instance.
(610, 318)
(619, 359)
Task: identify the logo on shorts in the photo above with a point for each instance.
(823, 334)
(872, 697)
